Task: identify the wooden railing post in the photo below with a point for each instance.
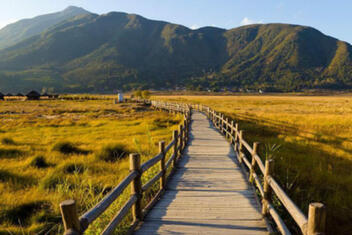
(232, 131)
(175, 134)
(185, 124)
(266, 188)
(226, 128)
(240, 146)
(136, 186)
(162, 165)
(221, 123)
(181, 140)
(255, 147)
(316, 219)
(70, 217)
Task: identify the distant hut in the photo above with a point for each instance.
(33, 95)
(1, 96)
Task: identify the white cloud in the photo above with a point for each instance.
(247, 21)
(195, 26)
(3, 23)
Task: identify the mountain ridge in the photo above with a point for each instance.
(94, 53)
(26, 28)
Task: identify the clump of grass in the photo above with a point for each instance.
(7, 141)
(51, 180)
(21, 214)
(14, 179)
(74, 168)
(69, 148)
(39, 162)
(111, 153)
(10, 153)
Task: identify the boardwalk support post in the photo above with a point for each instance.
(136, 186)
(162, 165)
(252, 170)
(70, 217)
(267, 188)
(316, 219)
(175, 137)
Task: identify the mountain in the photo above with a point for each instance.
(23, 29)
(95, 53)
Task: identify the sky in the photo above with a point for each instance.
(332, 17)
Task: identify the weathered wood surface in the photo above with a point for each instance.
(208, 193)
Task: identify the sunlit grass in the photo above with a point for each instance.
(314, 162)
(51, 151)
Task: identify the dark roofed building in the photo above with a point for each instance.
(1, 96)
(33, 95)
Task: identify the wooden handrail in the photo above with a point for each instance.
(74, 225)
(92, 214)
(291, 207)
(151, 162)
(317, 216)
(109, 229)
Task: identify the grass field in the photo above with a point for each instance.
(314, 161)
(55, 150)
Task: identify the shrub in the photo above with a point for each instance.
(146, 94)
(39, 162)
(68, 148)
(111, 153)
(7, 141)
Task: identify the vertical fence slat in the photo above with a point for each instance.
(316, 219)
(136, 186)
(266, 187)
(162, 165)
(70, 217)
(253, 153)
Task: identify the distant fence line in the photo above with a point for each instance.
(74, 225)
(314, 225)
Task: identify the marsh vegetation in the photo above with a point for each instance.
(51, 151)
(314, 160)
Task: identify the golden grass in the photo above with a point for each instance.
(30, 192)
(314, 162)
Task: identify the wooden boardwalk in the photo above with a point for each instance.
(208, 194)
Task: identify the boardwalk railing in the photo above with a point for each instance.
(77, 225)
(315, 224)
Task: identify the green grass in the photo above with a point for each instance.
(72, 148)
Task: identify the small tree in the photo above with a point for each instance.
(146, 94)
(138, 94)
